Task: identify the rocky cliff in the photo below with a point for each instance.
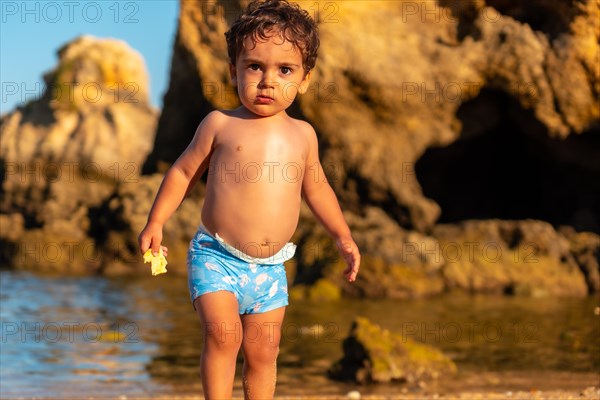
(430, 115)
(65, 155)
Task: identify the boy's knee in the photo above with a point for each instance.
(261, 349)
(261, 355)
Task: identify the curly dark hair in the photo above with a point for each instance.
(287, 19)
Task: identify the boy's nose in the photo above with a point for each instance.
(267, 80)
(264, 84)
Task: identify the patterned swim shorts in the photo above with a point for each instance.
(258, 287)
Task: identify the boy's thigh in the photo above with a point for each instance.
(219, 314)
(262, 329)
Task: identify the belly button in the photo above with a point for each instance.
(239, 148)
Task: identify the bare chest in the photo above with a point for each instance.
(269, 156)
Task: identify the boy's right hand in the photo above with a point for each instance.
(151, 237)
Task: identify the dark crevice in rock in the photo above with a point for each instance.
(8, 251)
(548, 16)
(25, 208)
(3, 170)
(509, 290)
(184, 108)
(505, 165)
(360, 87)
(368, 93)
(551, 17)
(466, 13)
(110, 119)
(512, 237)
(104, 220)
(370, 194)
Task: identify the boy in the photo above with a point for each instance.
(260, 162)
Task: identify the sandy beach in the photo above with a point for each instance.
(589, 393)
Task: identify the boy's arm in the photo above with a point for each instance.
(190, 165)
(323, 203)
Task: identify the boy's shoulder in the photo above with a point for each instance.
(211, 122)
(303, 126)
(216, 116)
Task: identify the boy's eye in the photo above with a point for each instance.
(254, 67)
(286, 70)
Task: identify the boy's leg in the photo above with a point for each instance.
(260, 346)
(222, 337)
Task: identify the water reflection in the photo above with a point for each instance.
(140, 336)
(70, 336)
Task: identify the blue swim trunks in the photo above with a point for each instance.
(259, 285)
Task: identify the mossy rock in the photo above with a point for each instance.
(321, 290)
(373, 354)
(380, 279)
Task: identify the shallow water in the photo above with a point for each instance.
(68, 337)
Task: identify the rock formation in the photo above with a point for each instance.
(373, 354)
(439, 123)
(64, 155)
(378, 106)
(419, 105)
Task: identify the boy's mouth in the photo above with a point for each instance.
(264, 99)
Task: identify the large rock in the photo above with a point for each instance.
(521, 258)
(512, 257)
(376, 355)
(378, 107)
(395, 79)
(65, 154)
(395, 82)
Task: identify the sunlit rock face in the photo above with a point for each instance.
(426, 113)
(64, 155)
(391, 79)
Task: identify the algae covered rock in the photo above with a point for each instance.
(396, 263)
(321, 290)
(527, 258)
(373, 354)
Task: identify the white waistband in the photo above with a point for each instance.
(284, 254)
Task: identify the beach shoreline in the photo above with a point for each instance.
(589, 393)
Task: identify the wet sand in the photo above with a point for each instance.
(590, 393)
(399, 393)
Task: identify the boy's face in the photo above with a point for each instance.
(269, 75)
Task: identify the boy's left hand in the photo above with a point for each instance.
(349, 251)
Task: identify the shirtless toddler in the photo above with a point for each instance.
(260, 163)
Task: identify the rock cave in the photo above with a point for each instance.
(506, 165)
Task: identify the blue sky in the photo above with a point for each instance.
(32, 31)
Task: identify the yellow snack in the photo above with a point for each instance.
(158, 262)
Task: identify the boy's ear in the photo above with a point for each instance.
(305, 82)
(232, 74)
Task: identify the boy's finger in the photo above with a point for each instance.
(144, 245)
(351, 272)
